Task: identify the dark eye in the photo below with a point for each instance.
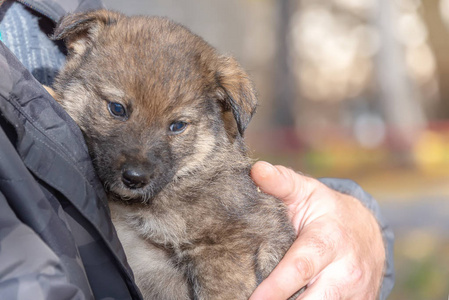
(117, 109)
(178, 126)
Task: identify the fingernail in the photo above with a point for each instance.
(265, 169)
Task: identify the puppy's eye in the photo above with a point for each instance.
(177, 127)
(117, 110)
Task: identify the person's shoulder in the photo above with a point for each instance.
(56, 9)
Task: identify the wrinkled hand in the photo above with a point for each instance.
(339, 252)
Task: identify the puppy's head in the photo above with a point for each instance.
(155, 102)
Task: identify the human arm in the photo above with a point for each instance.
(340, 251)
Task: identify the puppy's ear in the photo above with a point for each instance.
(237, 91)
(81, 29)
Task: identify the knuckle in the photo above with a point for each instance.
(354, 273)
(298, 183)
(305, 269)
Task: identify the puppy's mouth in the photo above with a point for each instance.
(118, 198)
(119, 192)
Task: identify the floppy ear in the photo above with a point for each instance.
(81, 29)
(237, 91)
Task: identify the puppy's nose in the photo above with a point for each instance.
(134, 179)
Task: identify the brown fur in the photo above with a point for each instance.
(191, 220)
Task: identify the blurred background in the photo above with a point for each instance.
(348, 88)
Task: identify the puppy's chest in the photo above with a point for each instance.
(168, 226)
(165, 229)
(179, 226)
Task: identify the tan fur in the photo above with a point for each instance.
(192, 223)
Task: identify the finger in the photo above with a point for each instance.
(281, 182)
(323, 288)
(340, 280)
(307, 257)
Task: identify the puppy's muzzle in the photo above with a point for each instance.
(134, 178)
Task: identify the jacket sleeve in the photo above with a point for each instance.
(29, 269)
(349, 187)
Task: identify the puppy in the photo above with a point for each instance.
(163, 115)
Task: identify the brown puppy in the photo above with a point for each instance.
(163, 115)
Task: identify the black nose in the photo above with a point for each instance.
(134, 179)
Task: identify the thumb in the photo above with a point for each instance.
(281, 182)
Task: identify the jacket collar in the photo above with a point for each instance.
(55, 10)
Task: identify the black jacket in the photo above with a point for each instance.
(56, 237)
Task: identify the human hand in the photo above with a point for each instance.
(339, 252)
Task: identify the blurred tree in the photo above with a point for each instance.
(402, 108)
(439, 40)
(284, 87)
